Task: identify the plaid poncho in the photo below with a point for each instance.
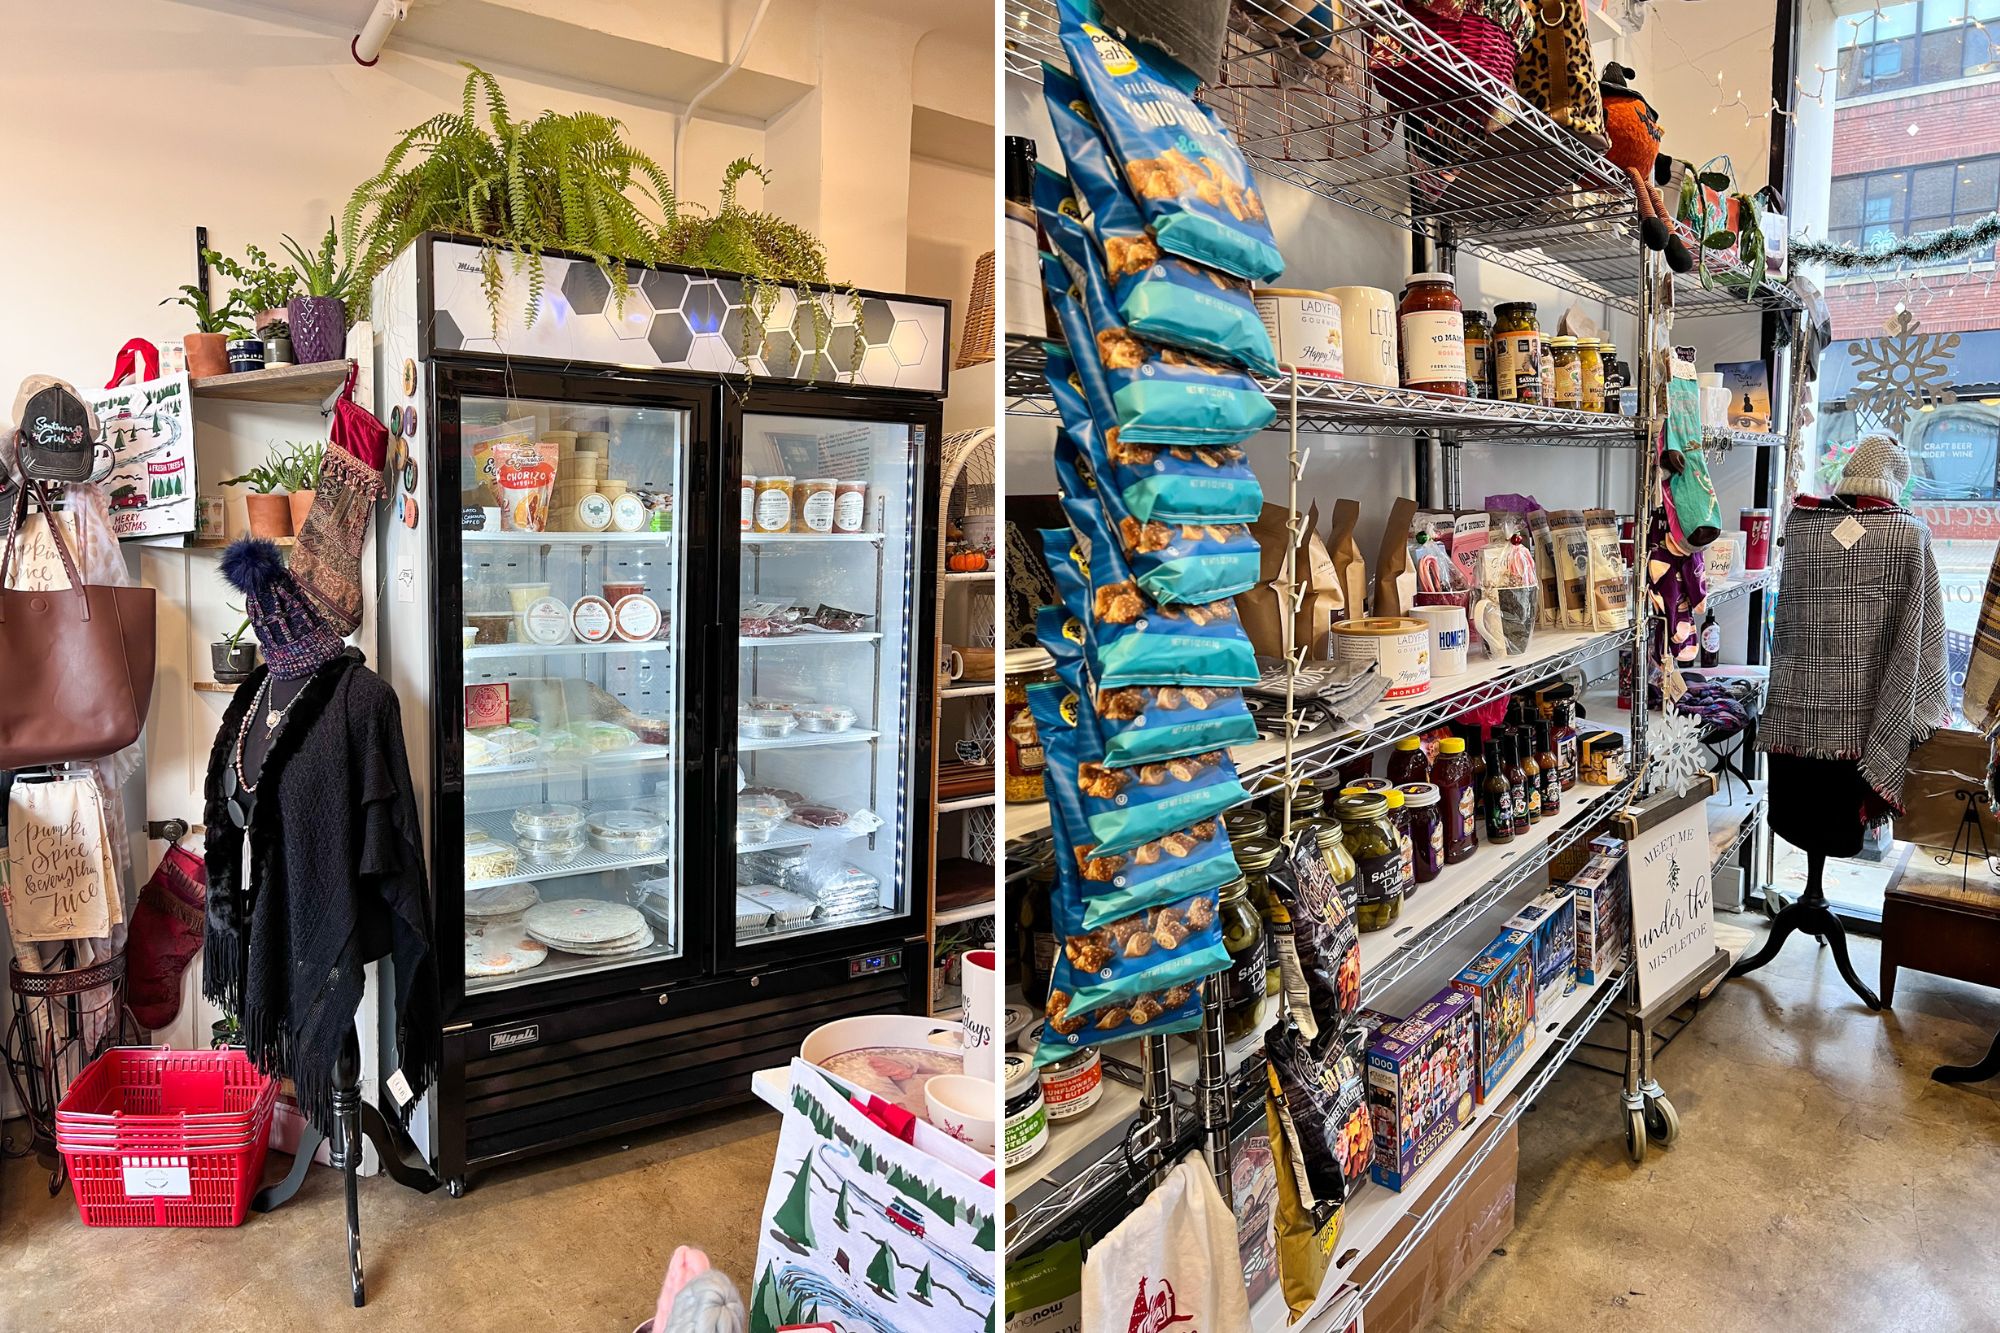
(1857, 654)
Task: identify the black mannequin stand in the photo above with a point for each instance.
(353, 1116)
(1985, 1069)
(1810, 915)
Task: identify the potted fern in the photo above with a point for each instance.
(318, 315)
(207, 347)
(267, 508)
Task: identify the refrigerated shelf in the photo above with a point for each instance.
(766, 538)
(800, 740)
(589, 861)
(750, 642)
(481, 652)
(607, 538)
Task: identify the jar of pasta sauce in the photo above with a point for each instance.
(1431, 329)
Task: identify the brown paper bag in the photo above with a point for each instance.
(1395, 581)
(1325, 604)
(1264, 607)
(1350, 571)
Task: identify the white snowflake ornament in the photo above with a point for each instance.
(1675, 755)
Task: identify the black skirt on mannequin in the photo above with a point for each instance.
(1819, 805)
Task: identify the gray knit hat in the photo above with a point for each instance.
(1878, 466)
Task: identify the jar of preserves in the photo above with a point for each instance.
(1478, 354)
(1431, 329)
(1567, 371)
(1457, 782)
(1378, 860)
(812, 504)
(1422, 801)
(1244, 985)
(1517, 353)
(1408, 763)
(1025, 759)
(1255, 856)
(773, 509)
(1590, 356)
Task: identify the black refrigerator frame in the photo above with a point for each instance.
(535, 1068)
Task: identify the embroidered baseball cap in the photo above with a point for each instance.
(57, 431)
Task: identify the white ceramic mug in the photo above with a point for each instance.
(1368, 335)
(963, 1107)
(1448, 638)
(981, 1019)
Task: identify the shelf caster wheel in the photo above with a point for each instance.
(1663, 1122)
(455, 1187)
(1635, 1136)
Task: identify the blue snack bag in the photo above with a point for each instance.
(1185, 172)
(1153, 394)
(1142, 724)
(1171, 483)
(1124, 808)
(1176, 563)
(1169, 300)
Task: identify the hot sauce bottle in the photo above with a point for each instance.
(1499, 797)
(1565, 738)
(1517, 782)
(1545, 759)
(1531, 772)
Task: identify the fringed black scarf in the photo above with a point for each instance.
(336, 881)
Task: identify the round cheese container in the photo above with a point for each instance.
(1305, 330)
(1399, 646)
(1027, 1127)
(636, 618)
(593, 512)
(546, 621)
(628, 514)
(1072, 1085)
(591, 619)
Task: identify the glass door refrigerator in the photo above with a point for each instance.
(661, 633)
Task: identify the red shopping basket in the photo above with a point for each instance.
(161, 1138)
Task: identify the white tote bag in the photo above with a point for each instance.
(1171, 1264)
(58, 883)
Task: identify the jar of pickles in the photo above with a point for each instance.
(1517, 353)
(1307, 802)
(1326, 833)
(1590, 357)
(1245, 821)
(1478, 354)
(1245, 985)
(1255, 856)
(1378, 860)
(1567, 366)
(1025, 758)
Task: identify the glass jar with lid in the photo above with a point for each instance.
(1025, 757)
(1328, 837)
(1431, 332)
(1245, 821)
(1423, 802)
(1517, 353)
(1590, 356)
(1255, 855)
(1567, 368)
(1307, 802)
(1478, 354)
(1246, 983)
(1378, 859)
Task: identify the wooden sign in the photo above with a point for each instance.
(1673, 900)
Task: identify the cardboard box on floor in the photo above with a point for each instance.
(1472, 1224)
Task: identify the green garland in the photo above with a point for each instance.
(1929, 247)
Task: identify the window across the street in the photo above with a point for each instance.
(1879, 205)
(1926, 41)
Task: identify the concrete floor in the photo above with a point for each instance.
(1822, 1180)
(572, 1243)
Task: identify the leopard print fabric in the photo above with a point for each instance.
(1555, 75)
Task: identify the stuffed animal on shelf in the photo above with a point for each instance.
(1635, 133)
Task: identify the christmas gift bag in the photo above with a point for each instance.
(864, 1232)
(1171, 1263)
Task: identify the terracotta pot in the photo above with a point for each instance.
(302, 502)
(270, 515)
(319, 328)
(207, 354)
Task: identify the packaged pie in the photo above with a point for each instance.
(824, 717)
(553, 851)
(486, 859)
(627, 832)
(765, 726)
(548, 821)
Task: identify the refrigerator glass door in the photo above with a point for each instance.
(823, 658)
(573, 610)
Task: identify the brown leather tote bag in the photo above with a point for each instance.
(76, 664)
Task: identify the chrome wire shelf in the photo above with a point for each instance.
(1731, 438)
(1348, 407)
(1379, 114)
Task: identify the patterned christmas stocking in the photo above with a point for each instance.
(327, 561)
(165, 934)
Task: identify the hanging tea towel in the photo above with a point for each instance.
(59, 883)
(1172, 1263)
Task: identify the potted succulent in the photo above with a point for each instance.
(234, 657)
(299, 465)
(277, 341)
(214, 325)
(318, 314)
(263, 286)
(268, 508)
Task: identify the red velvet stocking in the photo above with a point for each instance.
(165, 935)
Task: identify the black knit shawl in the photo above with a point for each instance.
(336, 881)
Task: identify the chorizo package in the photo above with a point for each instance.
(1133, 641)
(1156, 395)
(1186, 173)
(1170, 483)
(1323, 1107)
(1322, 963)
(1175, 563)
(1164, 298)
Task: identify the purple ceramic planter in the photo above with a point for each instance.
(319, 328)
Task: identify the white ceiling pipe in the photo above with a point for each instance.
(368, 43)
(687, 116)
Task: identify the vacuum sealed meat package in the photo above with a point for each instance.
(1175, 563)
(1156, 395)
(1186, 173)
(1170, 483)
(1166, 298)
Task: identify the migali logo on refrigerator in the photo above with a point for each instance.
(508, 1038)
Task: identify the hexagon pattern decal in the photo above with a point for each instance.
(685, 322)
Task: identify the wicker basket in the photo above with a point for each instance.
(975, 347)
